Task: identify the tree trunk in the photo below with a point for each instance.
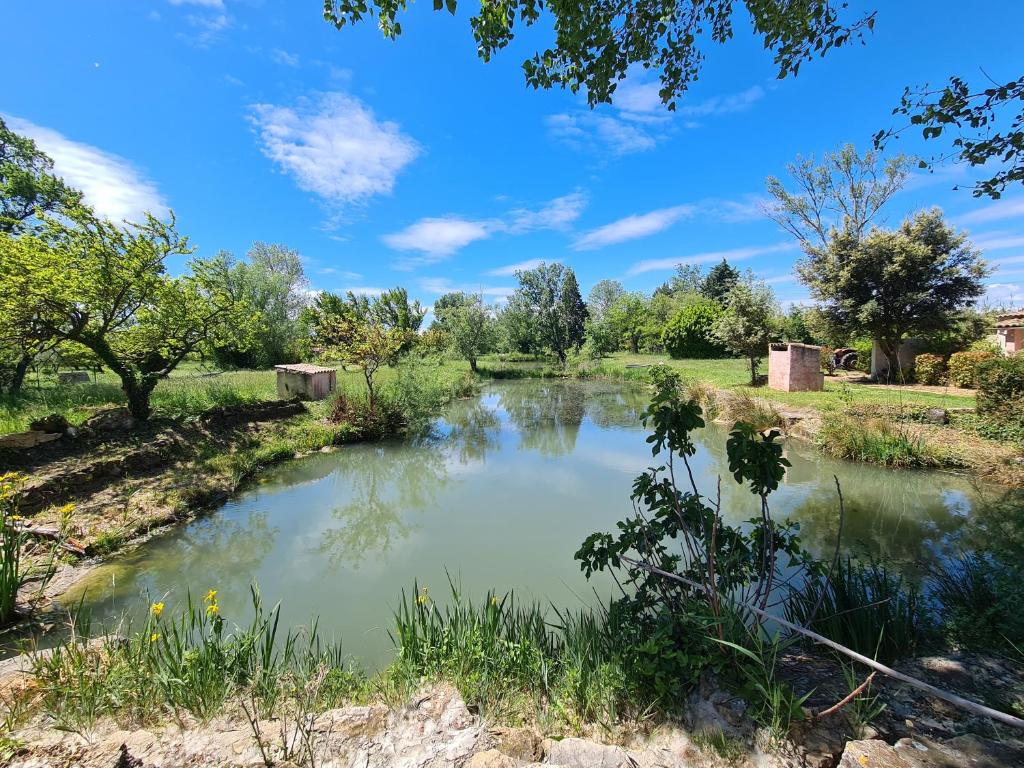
(371, 395)
(891, 349)
(18, 379)
(138, 398)
(561, 356)
(753, 371)
(634, 344)
(472, 364)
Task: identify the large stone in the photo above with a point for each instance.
(520, 743)
(490, 758)
(580, 753)
(54, 423)
(112, 420)
(936, 416)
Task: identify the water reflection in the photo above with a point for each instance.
(500, 495)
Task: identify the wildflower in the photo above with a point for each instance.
(211, 596)
(212, 609)
(422, 597)
(154, 637)
(156, 609)
(66, 510)
(494, 600)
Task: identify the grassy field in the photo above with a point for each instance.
(188, 391)
(734, 374)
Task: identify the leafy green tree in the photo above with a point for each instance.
(843, 194)
(28, 186)
(551, 294)
(470, 328)
(595, 44)
(518, 327)
(629, 317)
(719, 281)
(794, 326)
(366, 342)
(747, 326)
(105, 286)
(894, 284)
(273, 283)
(445, 302)
(392, 309)
(988, 124)
(687, 335)
(601, 298)
(688, 278)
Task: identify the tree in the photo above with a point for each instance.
(795, 326)
(687, 335)
(273, 283)
(843, 194)
(552, 296)
(363, 341)
(602, 296)
(894, 284)
(746, 327)
(972, 114)
(518, 328)
(469, 326)
(688, 279)
(28, 186)
(629, 317)
(105, 286)
(393, 310)
(719, 281)
(596, 43)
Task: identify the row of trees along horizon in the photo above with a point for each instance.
(77, 290)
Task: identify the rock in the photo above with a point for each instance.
(329, 449)
(936, 416)
(871, 753)
(580, 753)
(520, 743)
(54, 423)
(22, 440)
(968, 751)
(73, 377)
(112, 420)
(491, 758)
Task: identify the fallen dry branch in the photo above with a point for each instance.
(847, 699)
(51, 534)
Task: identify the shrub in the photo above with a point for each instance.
(880, 441)
(863, 348)
(688, 333)
(929, 368)
(963, 367)
(1001, 386)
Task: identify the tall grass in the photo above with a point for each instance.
(16, 571)
(981, 601)
(881, 442)
(864, 607)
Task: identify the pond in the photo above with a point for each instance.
(499, 497)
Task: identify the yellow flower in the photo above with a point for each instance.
(422, 597)
(154, 637)
(211, 596)
(156, 609)
(494, 599)
(212, 609)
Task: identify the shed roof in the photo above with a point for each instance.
(304, 368)
(1010, 320)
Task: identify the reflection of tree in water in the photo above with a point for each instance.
(904, 519)
(996, 524)
(548, 415)
(616, 406)
(473, 431)
(385, 482)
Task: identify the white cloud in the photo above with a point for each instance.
(1008, 295)
(363, 290)
(441, 285)
(111, 184)
(998, 241)
(334, 147)
(735, 254)
(722, 105)
(778, 279)
(218, 4)
(283, 57)
(209, 19)
(633, 227)
(593, 131)
(995, 211)
(436, 238)
(510, 269)
(559, 213)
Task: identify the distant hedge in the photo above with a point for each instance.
(929, 368)
(688, 333)
(963, 367)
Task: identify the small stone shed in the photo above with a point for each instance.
(795, 368)
(1010, 332)
(309, 382)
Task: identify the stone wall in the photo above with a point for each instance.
(795, 368)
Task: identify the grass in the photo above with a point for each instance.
(878, 441)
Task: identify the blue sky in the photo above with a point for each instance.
(413, 163)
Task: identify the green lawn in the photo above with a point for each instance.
(735, 374)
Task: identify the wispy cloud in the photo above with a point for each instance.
(209, 19)
(637, 121)
(438, 286)
(112, 185)
(363, 290)
(734, 254)
(217, 4)
(334, 147)
(633, 227)
(998, 241)
(436, 238)
(283, 57)
(1003, 295)
(995, 211)
(510, 269)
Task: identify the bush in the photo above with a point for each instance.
(963, 367)
(1001, 386)
(879, 441)
(929, 368)
(688, 333)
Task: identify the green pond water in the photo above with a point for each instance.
(500, 497)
